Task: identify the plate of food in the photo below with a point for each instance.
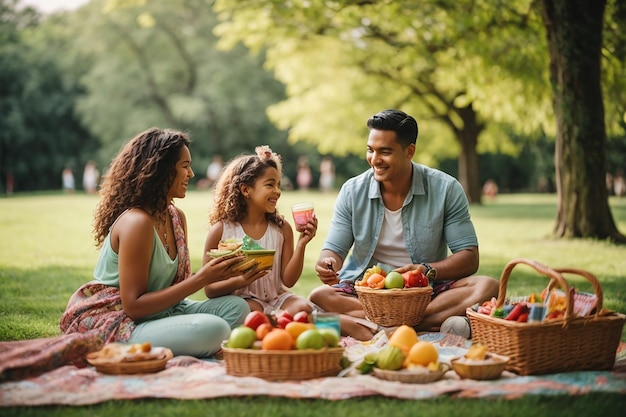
(129, 358)
(413, 375)
(479, 364)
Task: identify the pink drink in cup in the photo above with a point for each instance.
(302, 213)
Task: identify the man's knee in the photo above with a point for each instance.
(319, 294)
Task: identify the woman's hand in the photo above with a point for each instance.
(220, 269)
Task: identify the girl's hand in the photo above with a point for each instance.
(308, 232)
(253, 274)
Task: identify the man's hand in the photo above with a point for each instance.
(326, 268)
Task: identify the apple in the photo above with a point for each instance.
(254, 319)
(415, 278)
(301, 316)
(241, 337)
(394, 280)
(310, 339)
(330, 336)
(283, 321)
(285, 313)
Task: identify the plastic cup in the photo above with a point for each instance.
(302, 213)
(327, 320)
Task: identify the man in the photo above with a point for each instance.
(405, 216)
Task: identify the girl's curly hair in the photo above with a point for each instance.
(140, 175)
(229, 203)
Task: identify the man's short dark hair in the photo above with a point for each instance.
(398, 121)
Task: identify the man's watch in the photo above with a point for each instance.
(431, 273)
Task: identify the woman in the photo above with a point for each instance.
(143, 275)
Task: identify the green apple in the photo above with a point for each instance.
(330, 336)
(310, 339)
(241, 337)
(394, 280)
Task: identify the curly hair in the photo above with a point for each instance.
(140, 175)
(229, 203)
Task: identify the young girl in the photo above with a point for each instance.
(245, 204)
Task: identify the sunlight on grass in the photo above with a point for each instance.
(48, 248)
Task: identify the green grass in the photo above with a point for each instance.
(47, 251)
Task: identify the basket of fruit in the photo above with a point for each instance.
(392, 299)
(559, 331)
(293, 350)
(406, 359)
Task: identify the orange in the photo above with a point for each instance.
(295, 328)
(404, 337)
(277, 339)
(423, 353)
(263, 330)
(376, 281)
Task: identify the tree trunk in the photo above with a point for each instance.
(468, 157)
(574, 33)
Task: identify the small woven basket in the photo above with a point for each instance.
(396, 306)
(276, 365)
(131, 368)
(563, 345)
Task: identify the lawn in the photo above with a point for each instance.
(47, 251)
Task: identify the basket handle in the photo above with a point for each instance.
(553, 274)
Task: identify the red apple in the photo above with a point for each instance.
(415, 278)
(283, 321)
(254, 319)
(301, 316)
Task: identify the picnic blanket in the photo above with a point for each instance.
(190, 378)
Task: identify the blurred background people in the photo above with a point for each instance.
(304, 176)
(327, 174)
(91, 177)
(214, 170)
(67, 177)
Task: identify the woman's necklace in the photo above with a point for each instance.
(165, 242)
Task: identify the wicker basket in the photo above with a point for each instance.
(396, 306)
(276, 365)
(563, 345)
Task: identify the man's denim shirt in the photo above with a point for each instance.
(435, 218)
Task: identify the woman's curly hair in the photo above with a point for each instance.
(229, 204)
(140, 175)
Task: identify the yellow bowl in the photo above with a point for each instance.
(263, 258)
(489, 368)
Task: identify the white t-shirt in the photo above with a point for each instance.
(391, 249)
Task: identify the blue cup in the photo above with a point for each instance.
(328, 320)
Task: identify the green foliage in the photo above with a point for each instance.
(40, 132)
(155, 64)
(433, 59)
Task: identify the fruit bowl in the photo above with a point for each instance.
(276, 365)
(413, 375)
(480, 369)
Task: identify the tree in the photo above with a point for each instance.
(574, 32)
(447, 62)
(155, 64)
(39, 131)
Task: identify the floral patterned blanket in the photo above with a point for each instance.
(190, 378)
